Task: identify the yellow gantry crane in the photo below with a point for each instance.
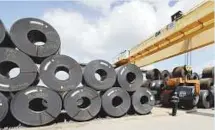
(192, 31)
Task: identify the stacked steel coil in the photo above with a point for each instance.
(163, 93)
(33, 47)
(155, 83)
(207, 88)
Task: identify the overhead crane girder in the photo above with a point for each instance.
(194, 30)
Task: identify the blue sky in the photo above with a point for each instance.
(85, 22)
(13, 10)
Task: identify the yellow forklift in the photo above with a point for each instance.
(185, 88)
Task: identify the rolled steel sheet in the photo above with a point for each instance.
(3, 107)
(212, 95)
(194, 76)
(10, 59)
(5, 40)
(205, 99)
(180, 71)
(208, 72)
(82, 104)
(187, 97)
(165, 74)
(165, 97)
(129, 77)
(146, 83)
(206, 83)
(49, 68)
(153, 74)
(143, 101)
(36, 106)
(99, 75)
(157, 85)
(116, 102)
(27, 32)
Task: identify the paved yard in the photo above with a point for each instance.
(158, 120)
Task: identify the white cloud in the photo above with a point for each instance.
(100, 5)
(78, 37)
(120, 28)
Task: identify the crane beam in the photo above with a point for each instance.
(195, 26)
(198, 41)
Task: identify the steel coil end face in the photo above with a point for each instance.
(26, 73)
(99, 74)
(82, 104)
(129, 77)
(157, 85)
(36, 106)
(165, 74)
(206, 99)
(153, 74)
(195, 76)
(146, 83)
(51, 66)
(3, 106)
(208, 72)
(36, 38)
(116, 102)
(212, 96)
(206, 83)
(181, 71)
(143, 101)
(2, 32)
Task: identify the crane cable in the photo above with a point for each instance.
(188, 55)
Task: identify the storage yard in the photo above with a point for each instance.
(202, 120)
(100, 94)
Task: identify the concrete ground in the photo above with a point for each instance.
(159, 119)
